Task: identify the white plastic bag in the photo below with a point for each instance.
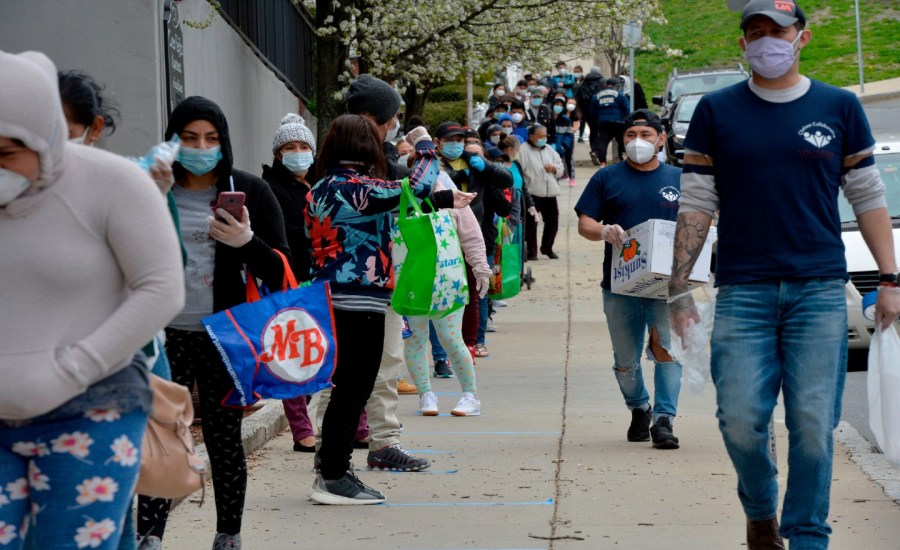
(693, 352)
(884, 391)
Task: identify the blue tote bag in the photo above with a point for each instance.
(277, 345)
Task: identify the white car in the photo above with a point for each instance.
(860, 263)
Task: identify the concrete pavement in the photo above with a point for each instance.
(547, 464)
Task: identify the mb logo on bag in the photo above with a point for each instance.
(294, 345)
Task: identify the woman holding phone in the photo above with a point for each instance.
(218, 244)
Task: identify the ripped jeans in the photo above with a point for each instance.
(629, 318)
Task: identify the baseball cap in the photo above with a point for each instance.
(449, 129)
(495, 153)
(783, 12)
(643, 117)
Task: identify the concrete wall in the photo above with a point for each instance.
(115, 41)
(219, 65)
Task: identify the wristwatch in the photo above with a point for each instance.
(889, 279)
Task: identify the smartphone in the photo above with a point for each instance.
(232, 202)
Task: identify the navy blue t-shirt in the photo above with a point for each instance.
(621, 195)
(778, 168)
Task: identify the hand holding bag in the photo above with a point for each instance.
(884, 391)
(507, 279)
(169, 466)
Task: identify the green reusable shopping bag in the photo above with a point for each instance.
(430, 276)
(507, 279)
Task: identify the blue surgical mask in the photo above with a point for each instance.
(452, 150)
(557, 109)
(199, 161)
(297, 163)
(541, 142)
(537, 101)
(498, 114)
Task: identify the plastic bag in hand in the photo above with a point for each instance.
(693, 352)
(167, 150)
(884, 389)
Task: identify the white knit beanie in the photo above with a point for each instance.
(293, 128)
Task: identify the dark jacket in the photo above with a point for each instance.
(395, 170)
(291, 196)
(489, 184)
(588, 88)
(543, 115)
(266, 220)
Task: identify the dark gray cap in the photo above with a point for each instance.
(783, 12)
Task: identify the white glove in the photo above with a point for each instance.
(534, 213)
(482, 285)
(613, 234)
(418, 134)
(161, 172)
(232, 232)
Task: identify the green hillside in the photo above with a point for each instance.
(707, 34)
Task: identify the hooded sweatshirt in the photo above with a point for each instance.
(89, 257)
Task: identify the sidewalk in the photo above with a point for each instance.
(547, 464)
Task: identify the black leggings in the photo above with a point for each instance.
(360, 339)
(549, 210)
(194, 358)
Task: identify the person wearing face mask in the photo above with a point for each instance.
(497, 93)
(105, 279)
(492, 117)
(615, 199)
(520, 121)
(507, 155)
(521, 91)
(541, 167)
(538, 112)
(608, 108)
(778, 290)
(591, 85)
(507, 125)
(294, 150)
(494, 135)
(563, 79)
(89, 113)
(219, 249)
(562, 137)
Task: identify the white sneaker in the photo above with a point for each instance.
(490, 326)
(468, 405)
(428, 404)
(499, 303)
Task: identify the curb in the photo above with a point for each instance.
(872, 98)
(870, 460)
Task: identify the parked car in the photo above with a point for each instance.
(860, 263)
(676, 125)
(697, 81)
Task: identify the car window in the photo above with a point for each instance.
(889, 167)
(703, 83)
(686, 110)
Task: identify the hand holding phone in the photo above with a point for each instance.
(231, 202)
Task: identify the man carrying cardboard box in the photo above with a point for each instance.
(624, 195)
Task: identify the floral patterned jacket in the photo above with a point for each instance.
(348, 220)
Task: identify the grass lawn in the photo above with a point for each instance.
(707, 34)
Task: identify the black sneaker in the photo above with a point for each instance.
(663, 438)
(393, 457)
(640, 425)
(442, 369)
(347, 490)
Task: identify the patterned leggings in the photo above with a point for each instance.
(449, 332)
(73, 477)
(194, 358)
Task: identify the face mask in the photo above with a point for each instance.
(392, 133)
(517, 117)
(577, 75)
(297, 163)
(500, 92)
(80, 139)
(12, 185)
(199, 161)
(497, 115)
(403, 160)
(771, 57)
(537, 101)
(570, 107)
(557, 109)
(563, 72)
(507, 130)
(495, 139)
(640, 151)
(452, 150)
(541, 142)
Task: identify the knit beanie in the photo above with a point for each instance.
(293, 128)
(368, 94)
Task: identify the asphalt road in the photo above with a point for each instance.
(884, 117)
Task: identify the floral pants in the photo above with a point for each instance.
(70, 480)
(449, 333)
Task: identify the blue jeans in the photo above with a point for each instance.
(484, 310)
(788, 336)
(438, 353)
(629, 317)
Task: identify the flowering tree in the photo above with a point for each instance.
(609, 44)
(421, 44)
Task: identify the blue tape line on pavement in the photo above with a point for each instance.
(481, 433)
(548, 502)
(427, 472)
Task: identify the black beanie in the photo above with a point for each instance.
(368, 94)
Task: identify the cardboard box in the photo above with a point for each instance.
(642, 266)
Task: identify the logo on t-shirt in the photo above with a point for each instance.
(669, 193)
(817, 133)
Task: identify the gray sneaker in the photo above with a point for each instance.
(150, 543)
(347, 490)
(393, 457)
(227, 542)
